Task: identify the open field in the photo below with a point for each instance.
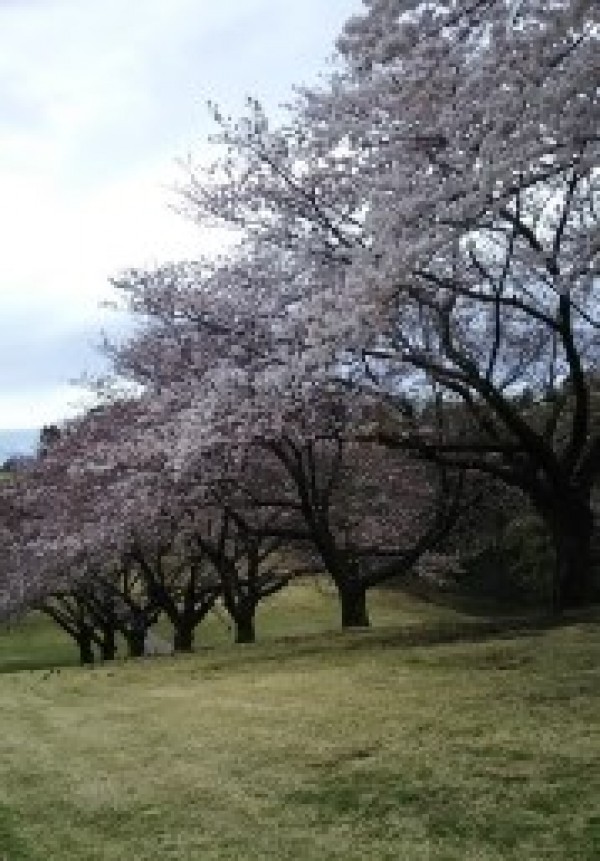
(345, 747)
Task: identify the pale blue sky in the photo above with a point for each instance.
(97, 100)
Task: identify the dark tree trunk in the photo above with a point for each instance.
(353, 600)
(86, 649)
(135, 645)
(183, 638)
(244, 627)
(572, 530)
(108, 649)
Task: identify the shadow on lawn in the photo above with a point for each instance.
(426, 633)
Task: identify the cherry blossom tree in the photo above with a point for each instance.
(439, 199)
(246, 562)
(349, 507)
(69, 611)
(290, 442)
(493, 150)
(68, 520)
(179, 585)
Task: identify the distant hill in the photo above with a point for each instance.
(17, 442)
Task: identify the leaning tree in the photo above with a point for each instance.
(439, 199)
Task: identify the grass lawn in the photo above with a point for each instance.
(347, 747)
(308, 607)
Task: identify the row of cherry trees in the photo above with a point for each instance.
(416, 247)
(107, 533)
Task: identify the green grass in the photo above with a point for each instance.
(34, 643)
(320, 747)
(308, 607)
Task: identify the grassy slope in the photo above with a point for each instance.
(307, 608)
(351, 747)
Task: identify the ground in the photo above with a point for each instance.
(352, 747)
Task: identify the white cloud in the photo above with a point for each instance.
(96, 102)
(41, 407)
(63, 249)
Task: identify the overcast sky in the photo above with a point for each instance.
(97, 101)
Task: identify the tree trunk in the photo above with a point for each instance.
(135, 645)
(108, 648)
(244, 627)
(572, 536)
(86, 649)
(183, 638)
(353, 599)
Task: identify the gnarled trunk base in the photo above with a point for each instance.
(353, 600)
(183, 639)
(86, 650)
(135, 646)
(244, 629)
(108, 649)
